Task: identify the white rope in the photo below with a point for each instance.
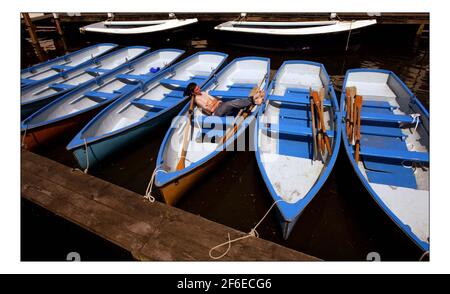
(423, 255)
(87, 157)
(148, 192)
(348, 37)
(24, 135)
(416, 120)
(252, 233)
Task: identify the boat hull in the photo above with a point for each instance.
(42, 136)
(30, 108)
(100, 150)
(174, 190)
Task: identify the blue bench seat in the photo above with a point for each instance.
(95, 71)
(213, 122)
(395, 154)
(378, 104)
(293, 98)
(61, 87)
(291, 130)
(242, 85)
(101, 95)
(382, 131)
(181, 83)
(232, 93)
(390, 118)
(60, 68)
(154, 103)
(132, 79)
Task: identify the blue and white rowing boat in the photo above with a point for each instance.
(211, 135)
(77, 107)
(292, 170)
(41, 93)
(136, 114)
(54, 67)
(393, 163)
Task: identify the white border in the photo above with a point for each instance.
(10, 179)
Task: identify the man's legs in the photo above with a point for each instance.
(226, 108)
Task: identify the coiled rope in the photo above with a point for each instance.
(416, 120)
(148, 192)
(24, 136)
(252, 233)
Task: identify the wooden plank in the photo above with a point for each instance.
(150, 231)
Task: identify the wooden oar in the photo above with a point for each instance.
(352, 121)
(186, 135)
(322, 122)
(350, 93)
(313, 124)
(358, 103)
(242, 113)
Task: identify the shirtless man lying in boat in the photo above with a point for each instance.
(213, 106)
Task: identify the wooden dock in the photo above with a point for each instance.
(150, 231)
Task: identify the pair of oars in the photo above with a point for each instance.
(320, 140)
(353, 108)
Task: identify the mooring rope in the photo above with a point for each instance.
(87, 157)
(416, 120)
(423, 255)
(348, 37)
(24, 135)
(148, 192)
(252, 233)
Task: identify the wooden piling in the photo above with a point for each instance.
(60, 31)
(34, 39)
(150, 231)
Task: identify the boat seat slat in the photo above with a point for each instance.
(382, 131)
(378, 104)
(181, 83)
(397, 180)
(132, 79)
(393, 118)
(61, 87)
(292, 130)
(174, 94)
(60, 68)
(96, 71)
(25, 82)
(395, 154)
(298, 91)
(232, 93)
(295, 99)
(101, 95)
(242, 85)
(154, 103)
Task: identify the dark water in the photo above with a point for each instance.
(341, 223)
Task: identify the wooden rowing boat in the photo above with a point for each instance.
(393, 160)
(292, 167)
(74, 109)
(211, 135)
(139, 112)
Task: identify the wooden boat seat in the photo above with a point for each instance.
(242, 85)
(60, 68)
(381, 117)
(153, 103)
(132, 79)
(61, 87)
(101, 95)
(183, 84)
(295, 98)
(395, 154)
(232, 93)
(378, 104)
(285, 129)
(382, 131)
(95, 71)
